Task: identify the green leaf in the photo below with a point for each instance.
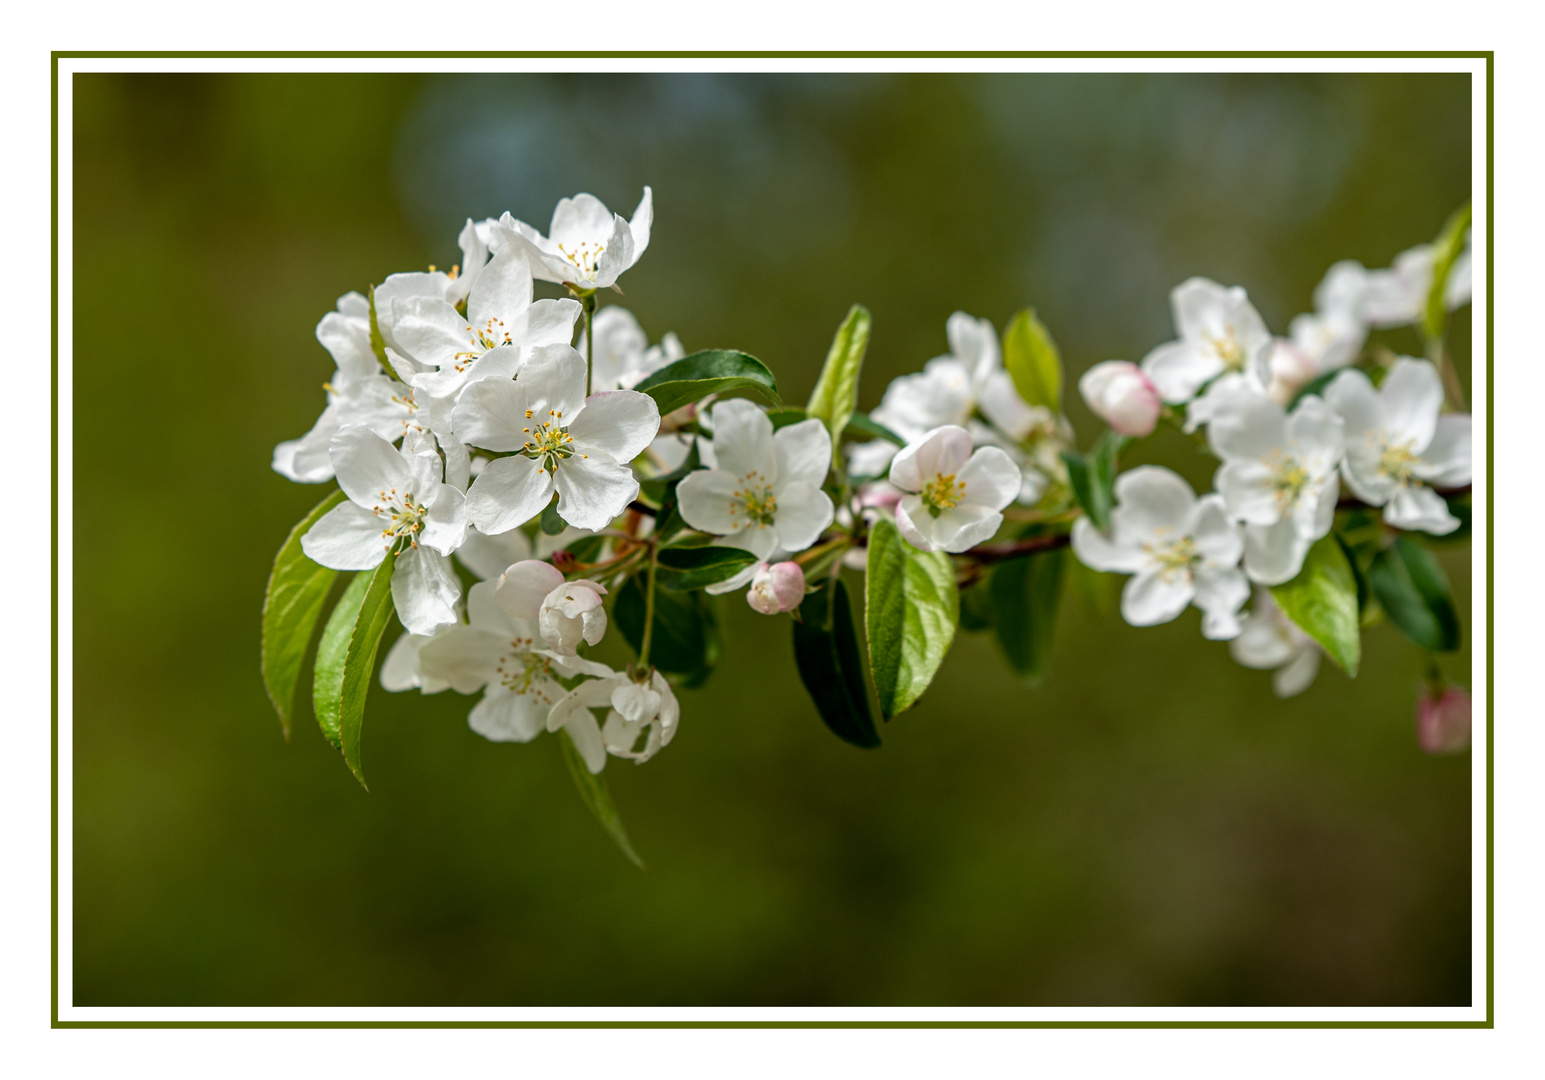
(836, 392)
(291, 606)
(552, 524)
(360, 660)
(1026, 594)
(712, 371)
(1415, 594)
(684, 569)
(874, 429)
(327, 674)
(1358, 576)
(1093, 477)
(378, 343)
(911, 608)
(1315, 386)
(1446, 248)
(1322, 600)
(827, 655)
(1097, 590)
(686, 640)
(597, 797)
(1033, 361)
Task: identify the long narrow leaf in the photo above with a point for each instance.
(327, 675)
(836, 391)
(360, 660)
(597, 797)
(291, 606)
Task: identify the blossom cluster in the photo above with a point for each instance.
(516, 477)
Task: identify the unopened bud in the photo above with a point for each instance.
(1121, 395)
(1443, 721)
(776, 588)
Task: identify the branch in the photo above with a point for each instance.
(985, 554)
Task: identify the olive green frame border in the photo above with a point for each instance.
(1490, 1022)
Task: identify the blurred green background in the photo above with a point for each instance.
(1149, 827)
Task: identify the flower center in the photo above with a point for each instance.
(942, 492)
(482, 340)
(584, 257)
(1395, 462)
(404, 517)
(757, 500)
(1289, 482)
(1175, 558)
(522, 671)
(548, 442)
(1229, 350)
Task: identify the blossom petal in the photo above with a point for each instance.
(708, 502)
(1220, 590)
(1179, 369)
(804, 452)
(463, 656)
(1246, 426)
(1353, 397)
(445, 526)
(501, 295)
(430, 331)
(349, 348)
(401, 671)
(505, 716)
(491, 413)
(508, 493)
(1412, 394)
(804, 511)
(962, 527)
(1000, 402)
(348, 537)
(553, 380)
(1274, 553)
(1116, 553)
(1151, 498)
(1260, 643)
(619, 423)
(594, 490)
(743, 439)
(1215, 536)
(1446, 461)
(640, 223)
(523, 586)
(425, 590)
(367, 464)
(1249, 491)
(944, 451)
(1296, 676)
(1422, 508)
(1153, 597)
(1316, 433)
(991, 479)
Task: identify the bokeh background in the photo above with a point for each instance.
(1149, 827)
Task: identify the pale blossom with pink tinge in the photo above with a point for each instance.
(1443, 721)
(1120, 394)
(776, 588)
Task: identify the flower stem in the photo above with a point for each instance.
(1440, 360)
(588, 304)
(643, 649)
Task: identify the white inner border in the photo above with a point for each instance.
(1481, 500)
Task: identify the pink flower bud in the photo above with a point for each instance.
(776, 588)
(1121, 395)
(1443, 721)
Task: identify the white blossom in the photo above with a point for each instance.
(642, 705)
(566, 612)
(501, 656)
(1220, 332)
(560, 440)
(1270, 641)
(395, 497)
(450, 350)
(1180, 550)
(1278, 477)
(764, 492)
(587, 246)
(401, 671)
(955, 497)
(1397, 444)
